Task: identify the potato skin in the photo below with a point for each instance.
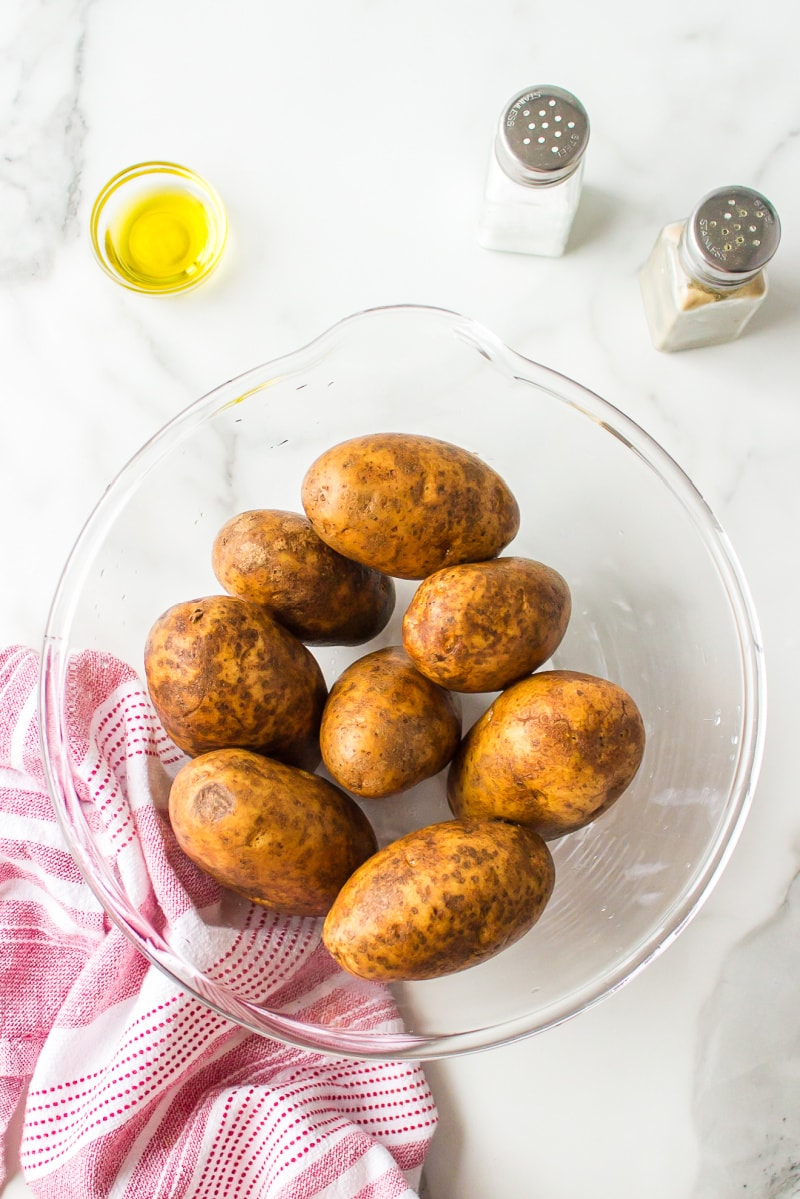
(222, 673)
(480, 626)
(440, 899)
(386, 727)
(275, 558)
(282, 837)
(408, 505)
(552, 752)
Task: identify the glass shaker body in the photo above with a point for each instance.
(704, 278)
(535, 173)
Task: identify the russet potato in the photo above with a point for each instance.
(279, 836)
(222, 673)
(407, 505)
(480, 626)
(440, 899)
(275, 558)
(552, 752)
(235, 686)
(386, 727)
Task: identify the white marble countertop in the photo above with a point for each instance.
(349, 143)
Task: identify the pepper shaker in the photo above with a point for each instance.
(533, 183)
(704, 278)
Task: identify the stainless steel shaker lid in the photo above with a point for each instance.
(730, 236)
(542, 136)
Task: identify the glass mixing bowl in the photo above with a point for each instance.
(659, 606)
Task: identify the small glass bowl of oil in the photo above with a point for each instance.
(158, 227)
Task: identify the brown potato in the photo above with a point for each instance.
(482, 625)
(552, 752)
(407, 505)
(222, 673)
(439, 900)
(386, 727)
(275, 558)
(283, 838)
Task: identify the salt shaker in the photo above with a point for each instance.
(705, 277)
(533, 183)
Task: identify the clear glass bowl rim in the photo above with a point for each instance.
(369, 1044)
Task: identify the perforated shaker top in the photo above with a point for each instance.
(542, 136)
(730, 236)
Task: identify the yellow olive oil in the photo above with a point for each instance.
(162, 240)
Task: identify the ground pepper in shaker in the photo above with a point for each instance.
(705, 276)
(533, 183)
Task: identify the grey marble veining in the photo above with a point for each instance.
(747, 1086)
(42, 131)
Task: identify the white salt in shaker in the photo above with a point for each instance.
(533, 184)
(705, 277)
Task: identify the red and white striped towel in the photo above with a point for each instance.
(132, 1088)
